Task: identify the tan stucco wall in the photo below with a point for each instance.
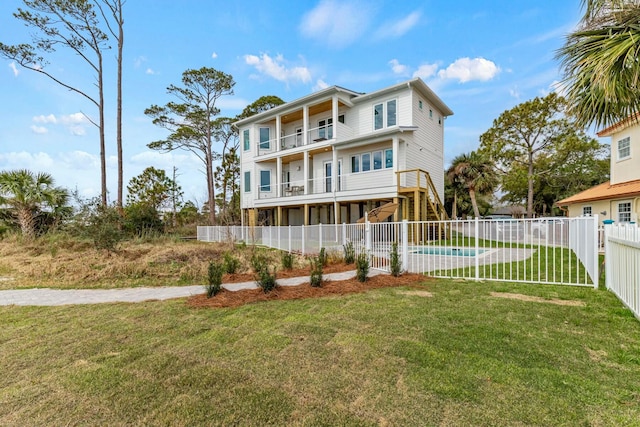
(627, 169)
(610, 206)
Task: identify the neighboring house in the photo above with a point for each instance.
(619, 198)
(335, 154)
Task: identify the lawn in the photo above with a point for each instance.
(447, 353)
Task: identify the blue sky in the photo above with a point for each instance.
(480, 57)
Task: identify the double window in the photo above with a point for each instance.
(624, 148)
(385, 114)
(382, 159)
(325, 129)
(624, 212)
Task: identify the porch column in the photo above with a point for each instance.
(306, 214)
(334, 170)
(305, 125)
(279, 177)
(278, 220)
(395, 145)
(278, 132)
(305, 169)
(334, 115)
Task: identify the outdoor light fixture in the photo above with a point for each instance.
(603, 213)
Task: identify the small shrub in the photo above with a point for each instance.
(362, 267)
(322, 257)
(231, 263)
(287, 260)
(316, 272)
(214, 278)
(258, 262)
(349, 253)
(395, 260)
(265, 279)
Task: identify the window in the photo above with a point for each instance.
(341, 118)
(355, 164)
(430, 113)
(380, 120)
(247, 182)
(377, 160)
(624, 148)
(624, 212)
(325, 129)
(366, 162)
(245, 138)
(265, 180)
(388, 158)
(586, 211)
(264, 138)
(420, 104)
(298, 137)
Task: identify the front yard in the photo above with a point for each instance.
(444, 353)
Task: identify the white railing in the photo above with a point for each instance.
(553, 251)
(622, 264)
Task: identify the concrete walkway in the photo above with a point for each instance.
(51, 297)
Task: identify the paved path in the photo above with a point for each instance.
(50, 297)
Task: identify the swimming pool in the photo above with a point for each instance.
(434, 250)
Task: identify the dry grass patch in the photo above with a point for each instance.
(530, 298)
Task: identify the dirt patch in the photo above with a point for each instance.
(530, 298)
(342, 287)
(424, 294)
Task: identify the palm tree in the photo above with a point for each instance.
(27, 195)
(600, 63)
(474, 173)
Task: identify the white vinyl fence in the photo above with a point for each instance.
(622, 264)
(554, 250)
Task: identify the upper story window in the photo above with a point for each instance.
(382, 119)
(587, 211)
(247, 182)
(298, 137)
(624, 148)
(246, 140)
(265, 180)
(264, 138)
(420, 104)
(341, 118)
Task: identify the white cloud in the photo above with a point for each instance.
(139, 61)
(467, 69)
(15, 70)
(275, 68)
(397, 67)
(514, 93)
(40, 130)
(425, 71)
(337, 23)
(150, 71)
(75, 118)
(80, 160)
(77, 130)
(320, 84)
(400, 27)
(25, 160)
(214, 55)
(45, 119)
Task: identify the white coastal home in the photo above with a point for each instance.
(335, 154)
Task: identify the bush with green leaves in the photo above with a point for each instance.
(394, 260)
(142, 219)
(316, 272)
(231, 263)
(287, 260)
(214, 278)
(102, 224)
(349, 253)
(259, 262)
(322, 257)
(362, 267)
(265, 279)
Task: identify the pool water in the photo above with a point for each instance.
(433, 250)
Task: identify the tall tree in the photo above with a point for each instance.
(600, 63)
(261, 104)
(191, 121)
(117, 31)
(28, 195)
(521, 135)
(474, 173)
(72, 24)
(152, 187)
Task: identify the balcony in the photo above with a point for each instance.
(315, 135)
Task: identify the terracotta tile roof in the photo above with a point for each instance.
(633, 119)
(604, 191)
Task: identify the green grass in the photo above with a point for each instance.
(460, 357)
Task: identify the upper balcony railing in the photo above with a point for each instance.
(314, 135)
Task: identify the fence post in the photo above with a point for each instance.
(607, 256)
(405, 245)
(279, 237)
(320, 237)
(344, 234)
(303, 226)
(477, 257)
(596, 279)
(367, 236)
(289, 238)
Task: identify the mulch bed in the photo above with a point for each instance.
(341, 287)
(285, 274)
